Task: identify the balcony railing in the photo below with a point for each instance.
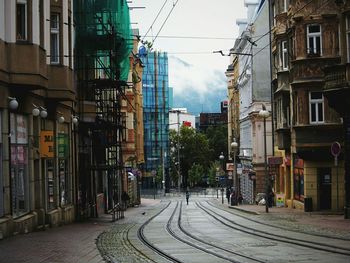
(337, 77)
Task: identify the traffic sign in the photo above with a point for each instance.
(335, 149)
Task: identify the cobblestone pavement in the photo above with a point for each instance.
(100, 240)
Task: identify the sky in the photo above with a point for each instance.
(195, 72)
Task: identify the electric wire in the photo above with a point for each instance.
(161, 9)
(270, 42)
(166, 19)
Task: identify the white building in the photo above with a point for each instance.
(252, 49)
(179, 117)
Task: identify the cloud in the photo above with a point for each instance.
(200, 78)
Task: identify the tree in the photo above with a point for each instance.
(217, 138)
(195, 174)
(212, 174)
(193, 148)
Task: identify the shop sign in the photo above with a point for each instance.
(19, 132)
(62, 145)
(230, 166)
(46, 144)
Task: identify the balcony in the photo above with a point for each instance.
(311, 69)
(337, 87)
(337, 77)
(313, 142)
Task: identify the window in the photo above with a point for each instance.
(19, 164)
(285, 5)
(284, 55)
(273, 9)
(55, 38)
(21, 20)
(63, 172)
(279, 113)
(348, 36)
(314, 42)
(316, 107)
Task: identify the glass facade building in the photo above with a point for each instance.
(155, 90)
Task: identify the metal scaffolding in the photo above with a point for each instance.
(103, 44)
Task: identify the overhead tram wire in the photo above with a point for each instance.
(161, 9)
(166, 19)
(301, 8)
(197, 37)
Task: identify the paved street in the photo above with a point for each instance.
(100, 239)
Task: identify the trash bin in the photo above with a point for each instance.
(308, 204)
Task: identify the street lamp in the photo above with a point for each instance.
(234, 146)
(265, 114)
(222, 157)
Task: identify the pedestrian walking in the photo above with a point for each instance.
(228, 193)
(187, 196)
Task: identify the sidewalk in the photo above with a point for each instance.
(317, 219)
(69, 243)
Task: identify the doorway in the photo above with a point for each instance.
(325, 188)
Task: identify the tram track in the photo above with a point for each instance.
(172, 233)
(274, 237)
(211, 244)
(278, 227)
(145, 241)
(231, 256)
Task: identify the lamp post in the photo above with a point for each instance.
(222, 157)
(234, 146)
(265, 114)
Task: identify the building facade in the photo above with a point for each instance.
(337, 91)
(305, 44)
(155, 90)
(132, 107)
(252, 93)
(37, 108)
(179, 117)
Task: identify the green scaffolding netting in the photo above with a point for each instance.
(103, 38)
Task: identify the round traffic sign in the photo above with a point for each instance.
(335, 149)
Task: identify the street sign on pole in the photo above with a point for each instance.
(335, 150)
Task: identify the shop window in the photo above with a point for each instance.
(55, 38)
(314, 40)
(316, 105)
(19, 164)
(63, 171)
(21, 20)
(50, 183)
(299, 179)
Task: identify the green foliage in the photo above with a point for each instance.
(196, 150)
(159, 175)
(217, 138)
(212, 173)
(195, 174)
